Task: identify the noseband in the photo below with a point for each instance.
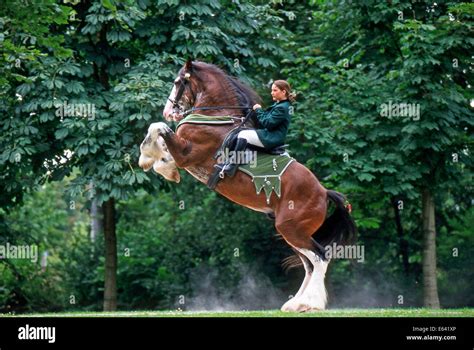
(179, 95)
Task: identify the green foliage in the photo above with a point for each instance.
(116, 60)
(25, 42)
(167, 239)
(164, 240)
(114, 72)
(354, 58)
(47, 222)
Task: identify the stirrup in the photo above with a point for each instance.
(222, 172)
(214, 178)
(232, 169)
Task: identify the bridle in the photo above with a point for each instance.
(179, 95)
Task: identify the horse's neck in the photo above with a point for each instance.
(203, 171)
(215, 99)
(224, 112)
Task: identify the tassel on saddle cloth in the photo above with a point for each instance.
(267, 171)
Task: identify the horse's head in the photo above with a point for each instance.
(154, 154)
(182, 95)
(203, 85)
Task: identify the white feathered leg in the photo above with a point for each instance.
(315, 295)
(292, 304)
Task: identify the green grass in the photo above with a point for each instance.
(466, 312)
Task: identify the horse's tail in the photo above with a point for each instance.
(339, 228)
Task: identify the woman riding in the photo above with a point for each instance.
(273, 124)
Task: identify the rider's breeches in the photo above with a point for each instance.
(251, 137)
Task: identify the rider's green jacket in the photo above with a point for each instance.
(273, 124)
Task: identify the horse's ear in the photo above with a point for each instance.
(188, 66)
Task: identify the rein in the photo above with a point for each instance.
(243, 120)
(179, 95)
(215, 108)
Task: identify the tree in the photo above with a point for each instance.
(364, 58)
(100, 99)
(79, 99)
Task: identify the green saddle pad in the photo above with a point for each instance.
(266, 172)
(205, 119)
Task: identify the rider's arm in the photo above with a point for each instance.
(270, 120)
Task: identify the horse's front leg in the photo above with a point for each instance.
(179, 148)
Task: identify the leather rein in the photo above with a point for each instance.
(179, 96)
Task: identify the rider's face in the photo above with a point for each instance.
(278, 94)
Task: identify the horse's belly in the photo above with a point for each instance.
(240, 189)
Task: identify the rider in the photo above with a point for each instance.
(272, 127)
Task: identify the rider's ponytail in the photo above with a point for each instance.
(292, 97)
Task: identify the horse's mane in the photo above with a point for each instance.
(246, 96)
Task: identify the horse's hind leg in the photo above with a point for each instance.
(314, 296)
(292, 304)
(298, 233)
(308, 269)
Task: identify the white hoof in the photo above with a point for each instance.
(290, 306)
(160, 128)
(299, 305)
(305, 303)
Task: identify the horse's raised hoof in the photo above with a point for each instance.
(161, 128)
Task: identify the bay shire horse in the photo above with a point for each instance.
(300, 212)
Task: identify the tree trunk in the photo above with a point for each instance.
(96, 220)
(110, 290)
(403, 243)
(430, 292)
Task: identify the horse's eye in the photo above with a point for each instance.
(163, 160)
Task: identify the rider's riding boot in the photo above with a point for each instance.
(240, 146)
(230, 168)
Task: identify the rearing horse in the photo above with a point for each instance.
(300, 212)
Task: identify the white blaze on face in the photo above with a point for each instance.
(168, 113)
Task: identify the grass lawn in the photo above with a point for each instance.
(466, 312)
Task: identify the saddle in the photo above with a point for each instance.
(274, 151)
(231, 139)
(269, 157)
